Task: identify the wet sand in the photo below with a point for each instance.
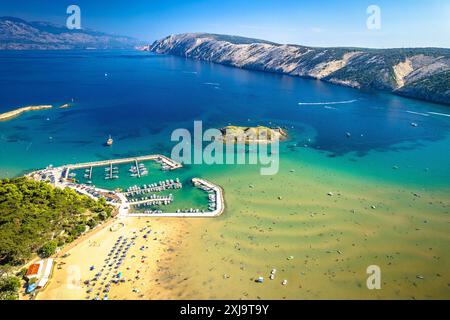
(332, 239)
(320, 242)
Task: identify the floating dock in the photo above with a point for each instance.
(138, 171)
(151, 200)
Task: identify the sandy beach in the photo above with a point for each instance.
(140, 272)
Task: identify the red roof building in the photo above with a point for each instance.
(34, 270)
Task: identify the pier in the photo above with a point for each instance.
(110, 170)
(90, 173)
(218, 192)
(167, 161)
(151, 201)
(156, 187)
(138, 171)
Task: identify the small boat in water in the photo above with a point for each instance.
(110, 141)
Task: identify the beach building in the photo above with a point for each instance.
(40, 272)
(34, 270)
(47, 270)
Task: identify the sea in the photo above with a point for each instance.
(363, 178)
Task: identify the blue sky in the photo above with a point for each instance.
(404, 23)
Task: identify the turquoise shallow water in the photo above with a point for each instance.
(140, 99)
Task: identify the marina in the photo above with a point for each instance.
(147, 199)
(216, 203)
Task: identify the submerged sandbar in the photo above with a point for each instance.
(17, 112)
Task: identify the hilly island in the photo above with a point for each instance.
(422, 73)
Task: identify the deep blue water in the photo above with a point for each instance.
(144, 97)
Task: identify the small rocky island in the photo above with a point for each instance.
(258, 134)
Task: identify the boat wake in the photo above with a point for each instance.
(212, 84)
(325, 103)
(440, 114)
(419, 113)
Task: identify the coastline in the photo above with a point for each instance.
(344, 68)
(66, 248)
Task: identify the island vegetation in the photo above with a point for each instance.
(259, 134)
(36, 218)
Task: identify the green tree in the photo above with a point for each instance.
(36, 218)
(9, 288)
(48, 249)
